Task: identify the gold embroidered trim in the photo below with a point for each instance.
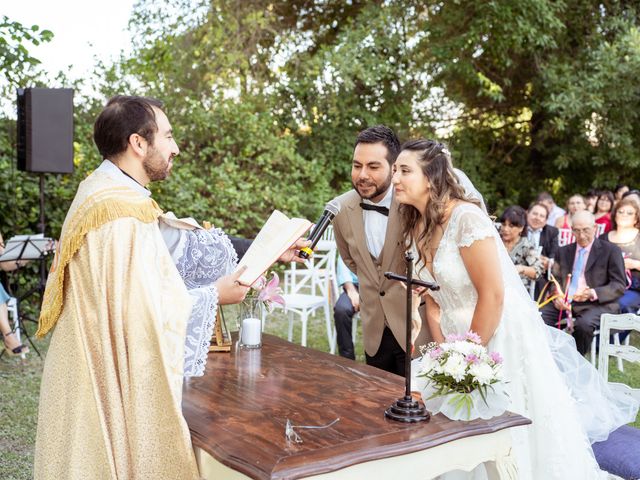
(97, 211)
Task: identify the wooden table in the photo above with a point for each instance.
(238, 410)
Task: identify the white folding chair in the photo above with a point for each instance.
(12, 308)
(565, 237)
(609, 322)
(616, 341)
(310, 288)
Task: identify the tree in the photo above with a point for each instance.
(547, 91)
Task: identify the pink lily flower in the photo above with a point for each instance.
(271, 293)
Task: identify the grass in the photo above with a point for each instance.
(20, 385)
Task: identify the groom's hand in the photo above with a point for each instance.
(291, 254)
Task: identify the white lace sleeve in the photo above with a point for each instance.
(201, 257)
(471, 224)
(207, 256)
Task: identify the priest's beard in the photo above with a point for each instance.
(156, 167)
(379, 190)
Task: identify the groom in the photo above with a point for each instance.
(369, 238)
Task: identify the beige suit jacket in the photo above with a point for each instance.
(381, 300)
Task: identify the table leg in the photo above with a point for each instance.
(502, 468)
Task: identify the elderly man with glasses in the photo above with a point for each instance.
(591, 272)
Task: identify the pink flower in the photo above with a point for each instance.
(471, 358)
(260, 283)
(496, 357)
(270, 293)
(473, 337)
(454, 338)
(435, 353)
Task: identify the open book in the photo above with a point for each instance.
(275, 237)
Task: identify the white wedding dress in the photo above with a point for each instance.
(569, 409)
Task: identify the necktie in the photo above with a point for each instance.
(375, 208)
(575, 274)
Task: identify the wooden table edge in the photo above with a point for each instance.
(288, 467)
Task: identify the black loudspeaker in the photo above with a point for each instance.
(45, 130)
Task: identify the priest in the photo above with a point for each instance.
(130, 298)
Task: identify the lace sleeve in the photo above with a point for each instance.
(206, 255)
(471, 224)
(201, 257)
(199, 329)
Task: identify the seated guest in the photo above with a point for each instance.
(619, 191)
(590, 199)
(597, 280)
(635, 194)
(604, 205)
(9, 338)
(345, 308)
(514, 236)
(625, 234)
(554, 210)
(541, 235)
(575, 204)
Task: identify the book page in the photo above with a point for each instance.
(275, 237)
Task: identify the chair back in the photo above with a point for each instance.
(609, 322)
(599, 229)
(565, 237)
(317, 276)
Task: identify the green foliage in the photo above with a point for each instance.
(266, 99)
(548, 92)
(14, 55)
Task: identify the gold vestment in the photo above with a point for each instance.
(112, 382)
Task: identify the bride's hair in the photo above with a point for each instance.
(435, 161)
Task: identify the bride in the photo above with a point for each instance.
(459, 248)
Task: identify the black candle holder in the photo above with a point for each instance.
(406, 409)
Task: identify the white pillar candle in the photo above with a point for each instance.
(251, 334)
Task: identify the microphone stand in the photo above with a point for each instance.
(406, 409)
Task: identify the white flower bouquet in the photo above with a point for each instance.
(461, 380)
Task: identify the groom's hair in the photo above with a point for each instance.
(384, 135)
(123, 116)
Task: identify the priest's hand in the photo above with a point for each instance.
(291, 254)
(230, 291)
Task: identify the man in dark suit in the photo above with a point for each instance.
(542, 235)
(597, 280)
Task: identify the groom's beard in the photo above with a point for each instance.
(379, 189)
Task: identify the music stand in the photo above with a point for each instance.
(28, 247)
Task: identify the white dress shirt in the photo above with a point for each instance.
(375, 224)
(555, 213)
(534, 236)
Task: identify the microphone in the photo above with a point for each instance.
(331, 209)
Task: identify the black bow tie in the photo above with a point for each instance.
(375, 208)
